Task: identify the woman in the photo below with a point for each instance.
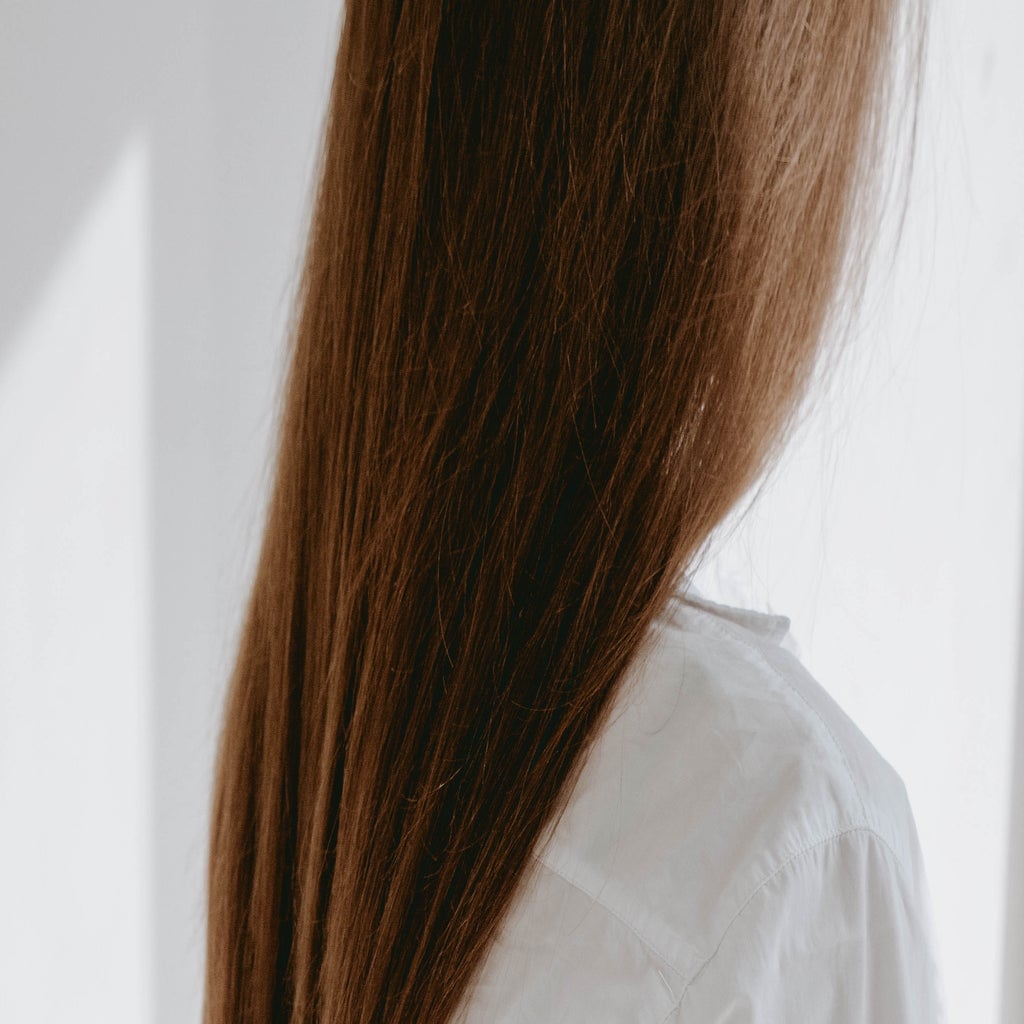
(486, 755)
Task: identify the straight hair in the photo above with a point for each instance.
(569, 269)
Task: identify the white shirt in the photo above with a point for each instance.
(735, 850)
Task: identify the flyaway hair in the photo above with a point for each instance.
(568, 270)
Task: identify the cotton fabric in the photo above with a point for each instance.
(735, 852)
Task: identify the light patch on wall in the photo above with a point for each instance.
(75, 676)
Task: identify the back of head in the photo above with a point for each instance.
(568, 272)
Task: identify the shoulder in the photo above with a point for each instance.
(726, 759)
(725, 773)
(842, 911)
(746, 678)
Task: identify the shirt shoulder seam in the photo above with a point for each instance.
(660, 957)
(838, 834)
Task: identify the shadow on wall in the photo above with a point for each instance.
(72, 91)
(222, 103)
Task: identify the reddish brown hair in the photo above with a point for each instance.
(569, 267)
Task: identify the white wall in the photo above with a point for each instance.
(156, 170)
(155, 167)
(76, 867)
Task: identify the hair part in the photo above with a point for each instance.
(568, 272)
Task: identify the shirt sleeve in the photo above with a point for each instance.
(840, 933)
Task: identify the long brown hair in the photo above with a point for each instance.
(569, 266)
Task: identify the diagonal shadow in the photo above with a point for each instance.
(69, 82)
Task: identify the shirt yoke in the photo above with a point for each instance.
(724, 759)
